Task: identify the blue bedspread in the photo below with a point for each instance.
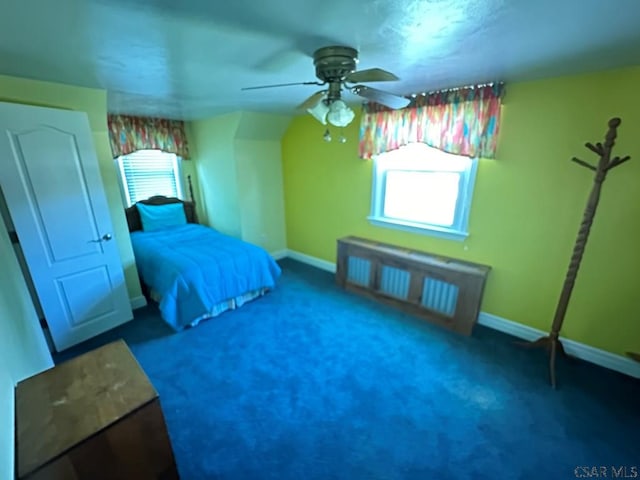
(193, 268)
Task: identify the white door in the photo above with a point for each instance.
(50, 177)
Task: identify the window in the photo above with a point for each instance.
(423, 189)
(149, 172)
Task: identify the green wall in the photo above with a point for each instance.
(238, 159)
(526, 210)
(94, 103)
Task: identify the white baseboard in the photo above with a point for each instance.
(576, 349)
(279, 254)
(138, 302)
(313, 261)
(580, 350)
(509, 327)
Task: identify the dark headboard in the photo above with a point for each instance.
(133, 216)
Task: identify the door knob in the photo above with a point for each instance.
(105, 238)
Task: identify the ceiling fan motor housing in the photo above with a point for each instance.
(333, 64)
(336, 68)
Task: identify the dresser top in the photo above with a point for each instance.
(61, 407)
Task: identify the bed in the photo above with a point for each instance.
(193, 271)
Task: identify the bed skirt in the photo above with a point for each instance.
(221, 307)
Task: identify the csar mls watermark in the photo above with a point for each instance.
(610, 471)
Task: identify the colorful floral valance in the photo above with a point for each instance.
(128, 134)
(463, 121)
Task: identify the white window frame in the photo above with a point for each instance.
(124, 188)
(419, 157)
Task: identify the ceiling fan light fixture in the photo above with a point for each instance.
(336, 69)
(340, 114)
(319, 112)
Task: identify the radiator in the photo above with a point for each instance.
(359, 270)
(444, 290)
(440, 296)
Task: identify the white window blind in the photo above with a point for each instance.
(146, 173)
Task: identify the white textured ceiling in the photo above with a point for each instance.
(189, 58)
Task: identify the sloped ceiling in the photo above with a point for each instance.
(189, 58)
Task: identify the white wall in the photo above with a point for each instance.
(211, 145)
(260, 193)
(239, 164)
(6, 421)
(23, 350)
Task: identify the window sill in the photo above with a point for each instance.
(441, 232)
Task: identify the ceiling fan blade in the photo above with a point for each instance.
(371, 75)
(384, 98)
(281, 85)
(280, 60)
(312, 101)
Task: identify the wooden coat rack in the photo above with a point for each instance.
(552, 342)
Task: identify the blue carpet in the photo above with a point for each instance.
(311, 382)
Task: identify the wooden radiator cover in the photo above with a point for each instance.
(443, 290)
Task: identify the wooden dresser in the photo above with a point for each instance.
(94, 417)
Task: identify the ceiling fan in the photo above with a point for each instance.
(336, 69)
